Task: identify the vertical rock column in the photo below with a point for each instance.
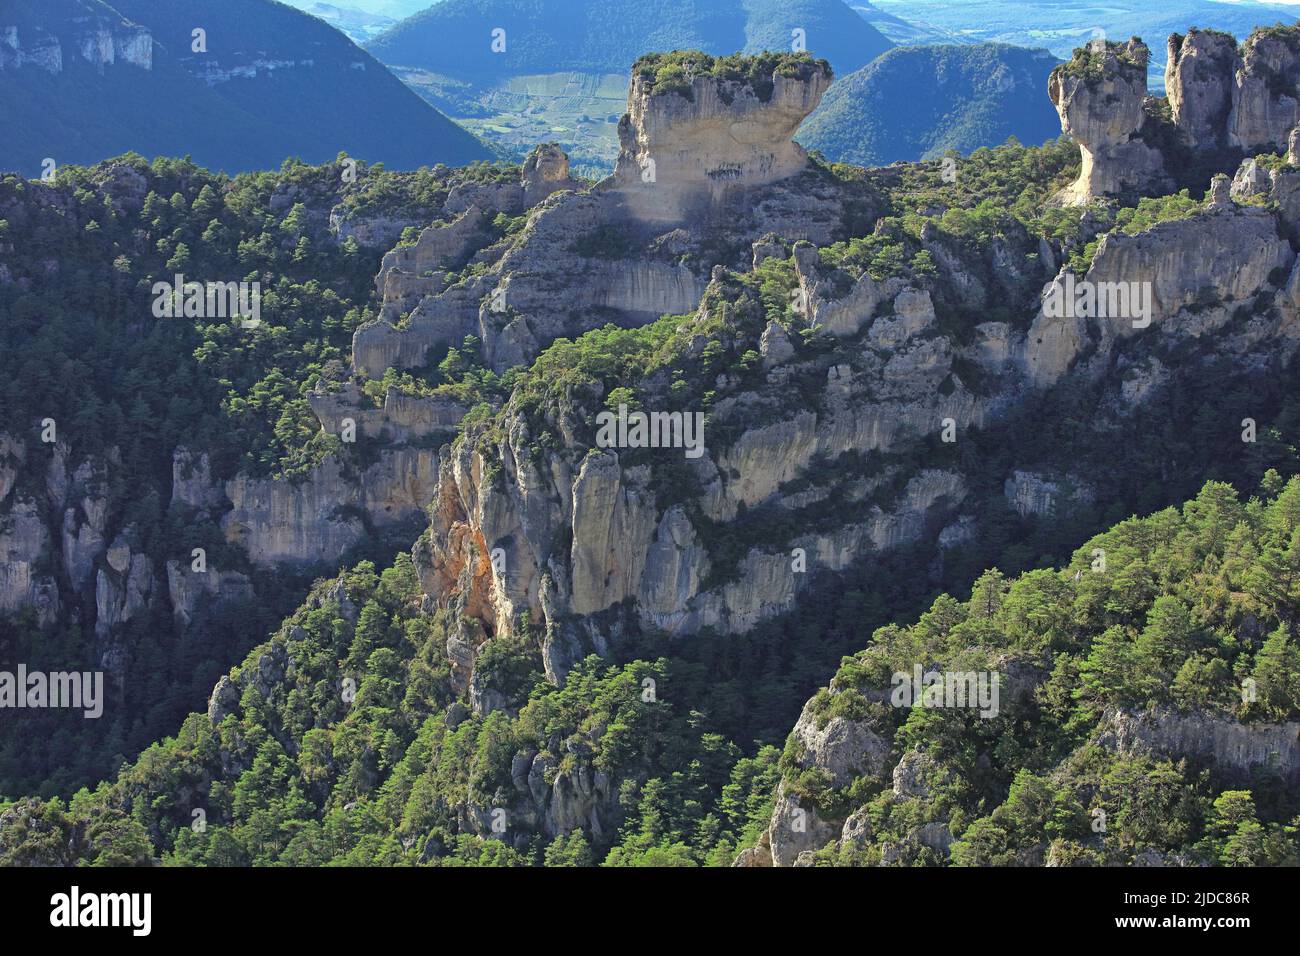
(1099, 96)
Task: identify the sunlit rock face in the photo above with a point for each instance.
(680, 151)
(1199, 83)
(1099, 100)
(1221, 94)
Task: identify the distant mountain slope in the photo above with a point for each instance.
(1061, 25)
(455, 37)
(81, 80)
(916, 102)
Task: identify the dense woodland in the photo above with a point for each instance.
(1193, 600)
(79, 344)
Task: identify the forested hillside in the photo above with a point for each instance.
(439, 615)
(1141, 684)
(82, 80)
(341, 741)
(80, 345)
(917, 102)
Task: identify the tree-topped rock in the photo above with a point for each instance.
(700, 127)
(1224, 103)
(676, 72)
(1099, 96)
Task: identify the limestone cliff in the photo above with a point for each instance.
(587, 550)
(1198, 270)
(1199, 83)
(1234, 748)
(1264, 101)
(1223, 102)
(89, 33)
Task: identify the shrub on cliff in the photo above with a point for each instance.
(674, 72)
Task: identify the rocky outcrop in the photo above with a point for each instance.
(1191, 272)
(1224, 103)
(840, 750)
(1099, 97)
(402, 418)
(1244, 98)
(409, 272)
(683, 150)
(94, 37)
(580, 533)
(588, 552)
(24, 541)
(124, 586)
(1235, 748)
(1264, 102)
(546, 170)
(54, 532)
(316, 520)
(720, 157)
(545, 286)
(1199, 84)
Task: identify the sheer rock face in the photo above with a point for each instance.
(316, 520)
(1102, 109)
(99, 40)
(1199, 84)
(678, 152)
(1222, 95)
(67, 521)
(1222, 257)
(1236, 748)
(1264, 103)
(23, 540)
(192, 591)
(615, 545)
(124, 585)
